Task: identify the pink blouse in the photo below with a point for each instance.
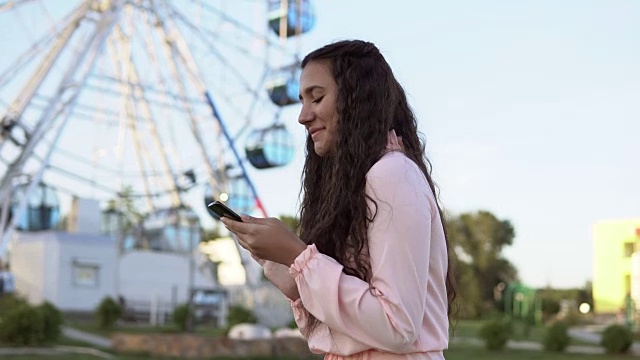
(403, 313)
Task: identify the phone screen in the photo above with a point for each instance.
(221, 210)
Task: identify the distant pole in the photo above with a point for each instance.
(508, 301)
(190, 320)
(538, 309)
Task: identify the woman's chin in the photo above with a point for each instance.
(319, 149)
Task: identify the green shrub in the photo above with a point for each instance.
(107, 313)
(616, 339)
(495, 334)
(239, 314)
(573, 317)
(51, 322)
(557, 337)
(181, 315)
(550, 307)
(8, 302)
(22, 325)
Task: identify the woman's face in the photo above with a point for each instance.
(318, 115)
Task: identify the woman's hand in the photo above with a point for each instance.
(268, 239)
(279, 275)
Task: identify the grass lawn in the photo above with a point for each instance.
(460, 352)
(470, 328)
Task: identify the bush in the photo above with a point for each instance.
(22, 325)
(181, 315)
(550, 307)
(239, 314)
(107, 313)
(51, 320)
(495, 334)
(616, 339)
(557, 337)
(573, 317)
(8, 302)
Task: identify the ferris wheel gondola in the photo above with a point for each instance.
(284, 85)
(270, 147)
(43, 207)
(291, 17)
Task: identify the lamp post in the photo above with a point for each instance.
(189, 220)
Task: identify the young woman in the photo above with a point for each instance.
(369, 277)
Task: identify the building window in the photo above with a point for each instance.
(629, 249)
(85, 275)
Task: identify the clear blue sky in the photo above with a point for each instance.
(531, 110)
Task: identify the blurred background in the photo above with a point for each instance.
(121, 120)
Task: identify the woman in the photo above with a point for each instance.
(369, 277)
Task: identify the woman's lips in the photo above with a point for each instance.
(315, 133)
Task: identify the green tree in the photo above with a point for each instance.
(478, 240)
(125, 204)
(469, 301)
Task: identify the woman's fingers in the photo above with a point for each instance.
(237, 227)
(242, 243)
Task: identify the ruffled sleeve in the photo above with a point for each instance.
(300, 314)
(302, 260)
(323, 338)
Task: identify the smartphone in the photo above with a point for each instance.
(221, 210)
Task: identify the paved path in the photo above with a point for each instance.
(592, 334)
(95, 340)
(91, 339)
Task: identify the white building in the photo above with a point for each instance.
(72, 271)
(157, 277)
(152, 272)
(75, 270)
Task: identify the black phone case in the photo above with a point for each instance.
(222, 210)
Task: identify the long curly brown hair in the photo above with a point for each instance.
(370, 102)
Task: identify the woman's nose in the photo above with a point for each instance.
(305, 116)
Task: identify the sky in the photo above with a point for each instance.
(531, 110)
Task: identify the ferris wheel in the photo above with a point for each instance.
(146, 99)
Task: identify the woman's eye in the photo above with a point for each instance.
(318, 99)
